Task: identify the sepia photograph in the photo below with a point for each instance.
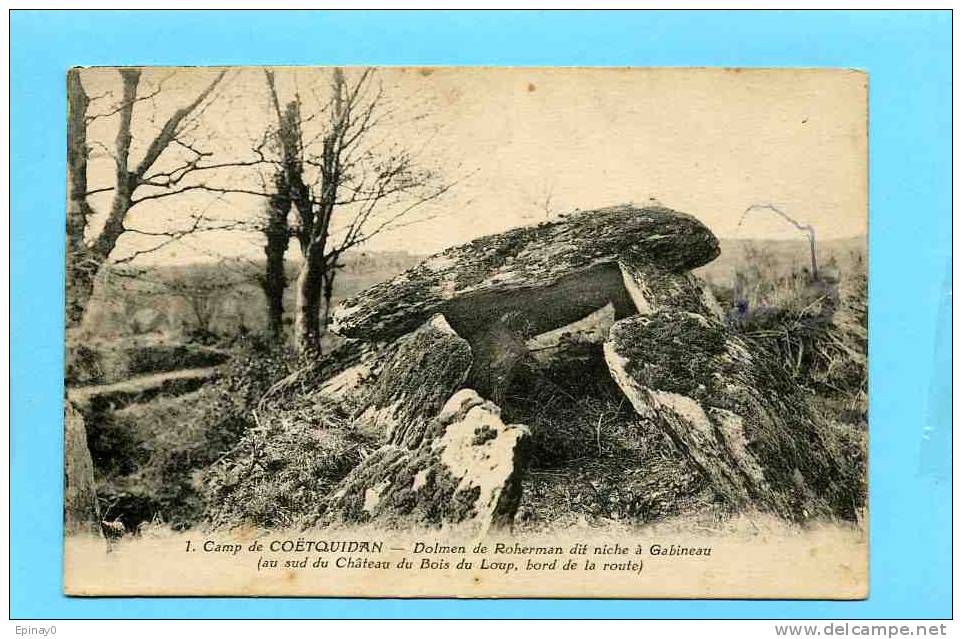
(466, 332)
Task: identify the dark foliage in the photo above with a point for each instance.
(148, 456)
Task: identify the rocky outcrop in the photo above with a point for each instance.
(81, 512)
(466, 472)
(731, 412)
(347, 373)
(552, 274)
(501, 314)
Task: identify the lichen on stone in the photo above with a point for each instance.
(732, 412)
(467, 469)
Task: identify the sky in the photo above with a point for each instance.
(522, 145)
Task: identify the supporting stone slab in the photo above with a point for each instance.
(733, 413)
(424, 369)
(466, 473)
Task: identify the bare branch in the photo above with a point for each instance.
(123, 104)
(105, 189)
(131, 79)
(167, 179)
(170, 128)
(392, 222)
(196, 187)
(807, 228)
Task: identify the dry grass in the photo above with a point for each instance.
(284, 465)
(815, 328)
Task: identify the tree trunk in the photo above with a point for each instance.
(278, 238)
(811, 246)
(329, 274)
(84, 262)
(310, 288)
(274, 285)
(79, 278)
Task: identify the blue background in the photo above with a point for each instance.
(908, 57)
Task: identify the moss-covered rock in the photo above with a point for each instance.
(555, 268)
(467, 471)
(733, 413)
(421, 372)
(81, 512)
(652, 288)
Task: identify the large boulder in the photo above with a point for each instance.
(552, 274)
(423, 370)
(501, 291)
(81, 512)
(466, 472)
(732, 412)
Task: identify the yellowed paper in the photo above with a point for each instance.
(466, 332)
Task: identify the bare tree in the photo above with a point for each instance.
(203, 294)
(807, 228)
(363, 185)
(133, 182)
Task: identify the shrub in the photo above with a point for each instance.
(109, 362)
(83, 365)
(283, 466)
(156, 358)
(816, 330)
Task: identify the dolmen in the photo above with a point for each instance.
(438, 347)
